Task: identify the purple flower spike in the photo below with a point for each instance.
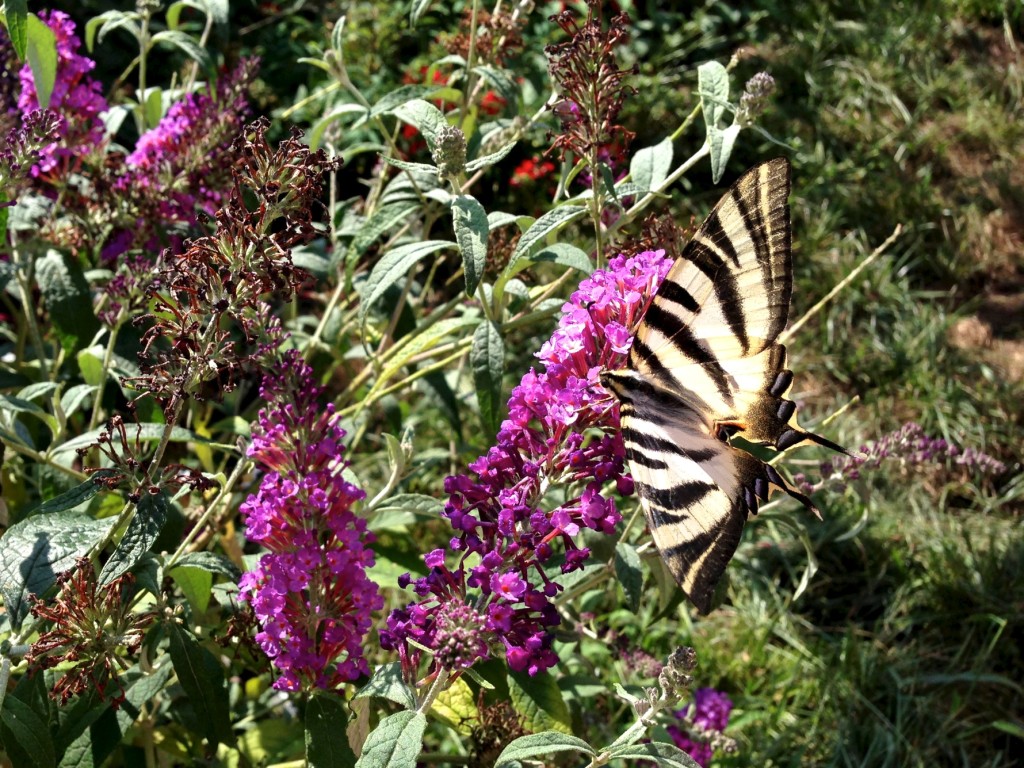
(702, 722)
(502, 528)
(310, 593)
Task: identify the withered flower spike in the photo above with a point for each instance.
(92, 628)
(590, 83)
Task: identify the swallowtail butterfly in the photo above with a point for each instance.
(704, 366)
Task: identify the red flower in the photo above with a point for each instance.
(531, 169)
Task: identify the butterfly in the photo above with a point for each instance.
(705, 365)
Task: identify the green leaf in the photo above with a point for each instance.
(196, 584)
(405, 165)
(491, 159)
(546, 225)
(41, 53)
(419, 7)
(153, 107)
(538, 699)
(496, 219)
(107, 22)
(326, 742)
(470, 222)
(487, 357)
(17, 28)
(71, 499)
(399, 97)
(143, 529)
(538, 744)
(423, 116)
(420, 342)
(395, 743)
(25, 730)
(202, 678)
(37, 549)
(210, 562)
(146, 433)
(316, 133)
(75, 398)
(387, 683)
(564, 254)
(629, 573)
(668, 755)
(185, 43)
(456, 706)
(384, 219)
(415, 503)
(713, 85)
(502, 81)
(67, 297)
(650, 165)
(393, 267)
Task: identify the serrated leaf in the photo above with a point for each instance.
(17, 26)
(470, 222)
(419, 7)
(392, 267)
(195, 584)
(713, 86)
(415, 503)
(423, 116)
(487, 357)
(146, 433)
(721, 148)
(39, 548)
(28, 732)
(629, 573)
(387, 683)
(487, 160)
(72, 498)
(548, 224)
(650, 166)
(67, 298)
(389, 102)
(668, 755)
(143, 529)
(202, 678)
(38, 389)
(316, 133)
(538, 744)
(496, 219)
(405, 165)
(538, 699)
(395, 743)
(185, 43)
(41, 52)
(326, 742)
(501, 80)
(456, 706)
(210, 562)
(384, 219)
(422, 342)
(75, 397)
(565, 254)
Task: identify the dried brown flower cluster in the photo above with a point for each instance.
(590, 83)
(210, 321)
(498, 36)
(91, 628)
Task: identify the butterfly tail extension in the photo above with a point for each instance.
(773, 418)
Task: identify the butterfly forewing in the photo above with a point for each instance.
(705, 363)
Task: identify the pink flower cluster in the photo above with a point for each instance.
(76, 98)
(503, 534)
(709, 714)
(310, 593)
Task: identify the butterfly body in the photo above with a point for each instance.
(704, 366)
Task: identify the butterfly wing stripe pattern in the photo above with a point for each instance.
(704, 364)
